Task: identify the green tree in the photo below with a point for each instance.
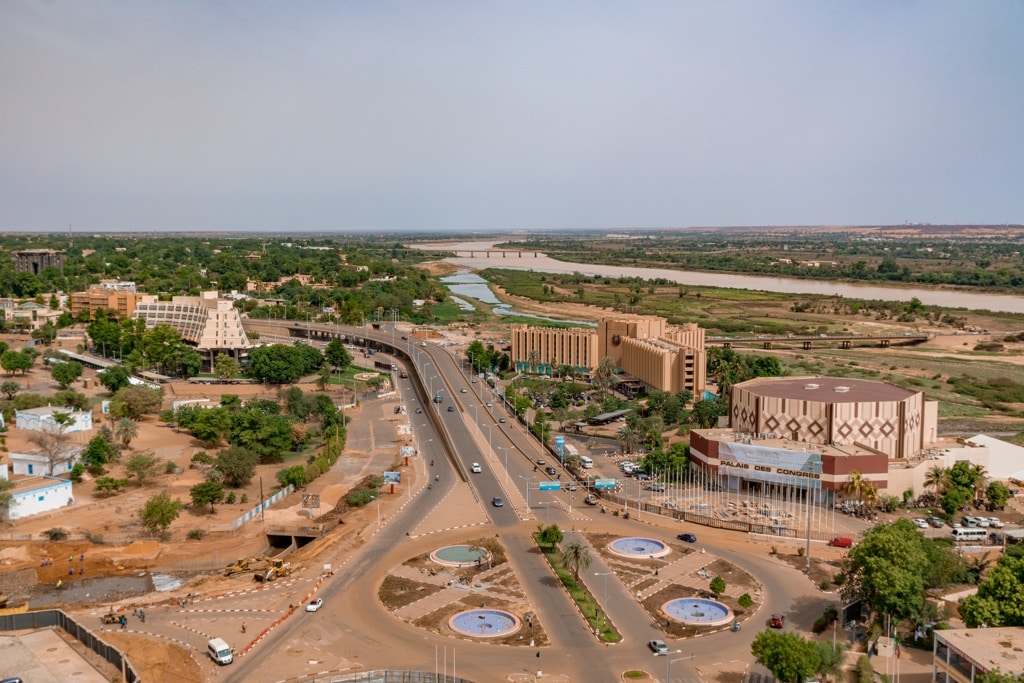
(277, 364)
(144, 466)
(5, 494)
(551, 535)
(265, 434)
(237, 465)
(294, 476)
(209, 425)
(225, 366)
(15, 361)
(134, 402)
(706, 412)
(628, 439)
(109, 486)
(125, 430)
(114, 378)
(208, 492)
(831, 659)
(854, 485)
(1000, 597)
(789, 657)
(159, 513)
(575, 556)
(717, 585)
(998, 494)
(65, 373)
(9, 388)
(97, 453)
(337, 355)
(323, 378)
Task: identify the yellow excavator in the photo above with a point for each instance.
(276, 569)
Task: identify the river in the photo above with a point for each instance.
(540, 262)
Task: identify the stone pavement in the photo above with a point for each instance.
(453, 591)
(686, 571)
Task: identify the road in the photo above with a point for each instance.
(357, 631)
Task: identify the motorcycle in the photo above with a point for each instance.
(735, 626)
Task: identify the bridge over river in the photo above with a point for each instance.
(845, 341)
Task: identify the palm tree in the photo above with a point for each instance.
(575, 556)
(976, 568)
(854, 485)
(980, 475)
(125, 430)
(534, 356)
(323, 378)
(870, 493)
(628, 438)
(604, 373)
(936, 479)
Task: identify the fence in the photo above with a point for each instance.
(387, 676)
(261, 507)
(55, 618)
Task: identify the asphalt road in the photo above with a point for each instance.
(354, 626)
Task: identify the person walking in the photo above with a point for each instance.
(124, 622)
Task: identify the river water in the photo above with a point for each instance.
(540, 262)
(466, 283)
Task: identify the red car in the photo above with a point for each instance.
(777, 621)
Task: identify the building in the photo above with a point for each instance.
(35, 260)
(40, 419)
(813, 432)
(208, 322)
(29, 315)
(36, 463)
(645, 348)
(117, 297)
(36, 495)
(962, 655)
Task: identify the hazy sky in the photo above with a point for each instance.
(378, 115)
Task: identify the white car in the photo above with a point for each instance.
(314, 605)
(920, 523)
(995, 522)
(984, 522)
(475, 468)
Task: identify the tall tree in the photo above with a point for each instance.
(159, 513)
(66, 372)
(125, 431)
(575, 556)
(790, 657)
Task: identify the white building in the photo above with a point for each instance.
(39, 419)
(36, 463)
(35, 495)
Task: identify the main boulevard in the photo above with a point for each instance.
(354, 627)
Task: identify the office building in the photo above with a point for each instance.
(208, 322)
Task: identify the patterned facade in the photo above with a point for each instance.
(835, 411)
(116, 297)
(547, 348)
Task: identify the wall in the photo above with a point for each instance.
(47, 497)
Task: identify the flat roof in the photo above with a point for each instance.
(608, 417)
(731, 435)
(990, 648)
(826, 389)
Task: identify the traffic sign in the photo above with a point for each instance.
(604, 483)
(550, 486)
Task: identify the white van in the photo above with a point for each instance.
(219, 651)
(975, 534)
(587, 462)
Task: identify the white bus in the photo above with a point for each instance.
(962, 535)
(586, 461)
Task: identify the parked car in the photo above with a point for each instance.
(642, 476)
(497, 502)
(475, 468)
(688, 538)
(920, 523)
(658, 647)
(777, 621)
(314, 605)
(997, 537)
(660, 488)
(995, 522)
(841, 542)
(936, 522)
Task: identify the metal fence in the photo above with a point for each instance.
(387, 676)
(55, 618)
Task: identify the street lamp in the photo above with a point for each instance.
(604, 605)
(528, 482)
(670, 662)
(506, 449)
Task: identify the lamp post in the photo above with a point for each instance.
(528, 482)
(670, 662)
(604, 604)
(506, 450)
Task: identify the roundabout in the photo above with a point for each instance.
(484, 623)
(638, 546)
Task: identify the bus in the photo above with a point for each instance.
(963, 535)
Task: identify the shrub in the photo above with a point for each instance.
(746, 601)
(230, 500)
(196, 534)
(201, 458)
(800, 551)
(76, 473)
(57, 534)
(170, 468)
(865, 672)
(360, 497)
(825, 584)
(244, 499)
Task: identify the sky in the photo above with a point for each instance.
(493, 116)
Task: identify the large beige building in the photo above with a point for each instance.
(210, 323)
(116, 296)
(647, 348)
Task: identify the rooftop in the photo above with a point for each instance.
(827, 389)
(990, 648)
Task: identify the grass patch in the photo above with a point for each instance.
(579, 593)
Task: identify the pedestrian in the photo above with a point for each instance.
(71, 558)
(243, 627)
(124, 622)
(142, 616)
(81, 570)
(81, 558)
(71, 571)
